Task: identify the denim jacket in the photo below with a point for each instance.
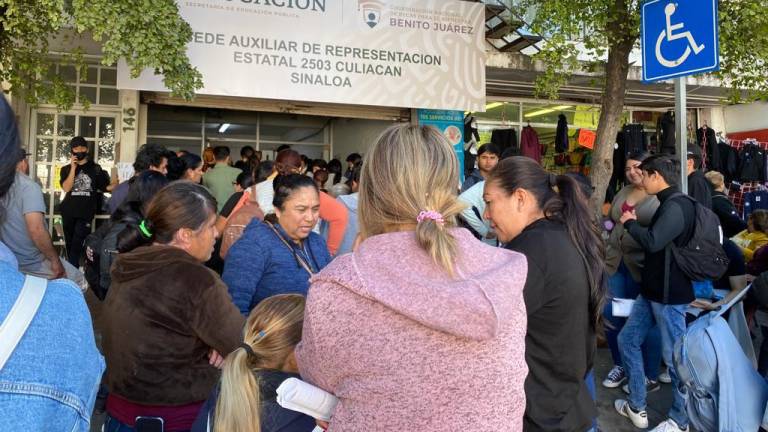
(50, 381)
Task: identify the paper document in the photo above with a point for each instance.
(622, 307)
(296, 395)
(124, 171)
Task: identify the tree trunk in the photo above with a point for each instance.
(612, 106)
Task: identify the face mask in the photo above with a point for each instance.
(80, 155)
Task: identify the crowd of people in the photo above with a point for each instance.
(417, 306)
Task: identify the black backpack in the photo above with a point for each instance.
(702, 257)
(100, 252)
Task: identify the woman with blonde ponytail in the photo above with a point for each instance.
(245, 400)
(422, 327)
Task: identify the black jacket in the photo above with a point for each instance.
(751, 164)
(706, 139)
(560, 343)
(634, 139)
(673, 222)
(561, 135)
(666, 130)
(274, 418)
(728, 215)
(729, 161)
(700, 188)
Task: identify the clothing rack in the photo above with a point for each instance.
(736, 194)
(739, 144)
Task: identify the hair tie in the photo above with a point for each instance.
(247, 349)
(144, 230)
(431, 215)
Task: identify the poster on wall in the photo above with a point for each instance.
(451, 124)
(399, 53)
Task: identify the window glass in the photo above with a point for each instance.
(108, 77)
(109, 96)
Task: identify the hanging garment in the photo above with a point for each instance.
(666, 128)
(634, 139)
(751, 164)
(561, 136)
(617, 176)
(755, 200)
(470, 130)
(529, 144)
(707, 140)
(505, 139)
(729, 161)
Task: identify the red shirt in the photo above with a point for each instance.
(175, 418)
(626, 207)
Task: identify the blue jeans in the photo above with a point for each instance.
(590, 381)
(671, 322)
(621, 285)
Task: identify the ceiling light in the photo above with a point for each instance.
(546, 111)
(493, 105)
(223, 128)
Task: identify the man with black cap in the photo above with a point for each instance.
(698, 185)
(84, 182)
(23, 165)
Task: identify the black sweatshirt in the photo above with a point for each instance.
(700, 189)
(728, 215)
(673, 222)
(560, 342)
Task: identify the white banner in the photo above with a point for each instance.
(400, 53)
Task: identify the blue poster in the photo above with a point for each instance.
(451, 124)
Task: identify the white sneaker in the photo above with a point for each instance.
(669, 425)
(665, 378)
(615, 377)
(638, 418)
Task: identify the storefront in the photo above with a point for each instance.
(327, 91)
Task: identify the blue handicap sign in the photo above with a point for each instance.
(678, 38)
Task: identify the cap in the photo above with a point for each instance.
(694, 151)
(22, 154)
(78, 141)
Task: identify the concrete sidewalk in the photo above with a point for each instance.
(609, 420)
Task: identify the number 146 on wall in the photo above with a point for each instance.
(129, 119)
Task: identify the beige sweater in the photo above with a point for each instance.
(621, 245)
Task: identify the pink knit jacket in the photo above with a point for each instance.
(407, 348)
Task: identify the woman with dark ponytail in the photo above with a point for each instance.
(547, 218)
(168, 316)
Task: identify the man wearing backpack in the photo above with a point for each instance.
(665, 292)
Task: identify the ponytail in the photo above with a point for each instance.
(272, 331)
(585, 235)
(431, 231)
(410, 170)
(176, 206)
(561, 198)
(238, 406)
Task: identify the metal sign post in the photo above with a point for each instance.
(679, 38)
(681, 132)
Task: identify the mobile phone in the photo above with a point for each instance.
(149, 424)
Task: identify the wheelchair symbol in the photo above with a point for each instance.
(669, 36)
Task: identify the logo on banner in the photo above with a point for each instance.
(371, 11)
